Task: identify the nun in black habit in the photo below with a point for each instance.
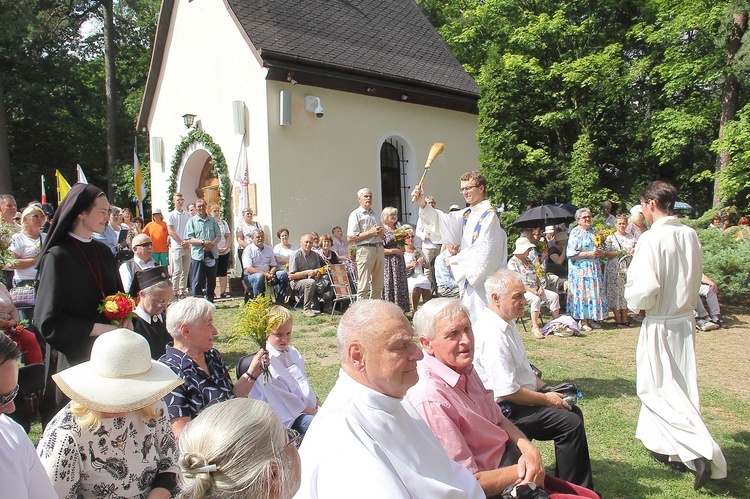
(75, 274)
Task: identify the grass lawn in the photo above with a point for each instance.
(603, 365)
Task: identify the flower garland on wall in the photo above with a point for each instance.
(217, 159)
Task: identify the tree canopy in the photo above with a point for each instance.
(585, 101)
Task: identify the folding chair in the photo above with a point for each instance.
(342, 289)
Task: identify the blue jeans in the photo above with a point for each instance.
(257, 284)
(302, 423)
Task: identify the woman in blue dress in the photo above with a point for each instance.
(586, 301)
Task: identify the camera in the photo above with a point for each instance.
(319, 111)
(313, 105)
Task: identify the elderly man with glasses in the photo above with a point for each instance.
(477, 230)
(142, 248)
(150, 321)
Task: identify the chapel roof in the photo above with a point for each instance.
(383, 48)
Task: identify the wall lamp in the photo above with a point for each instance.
(188, 119)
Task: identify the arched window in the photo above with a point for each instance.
(392, 177)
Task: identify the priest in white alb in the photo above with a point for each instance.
(663, 279)
(484, 244)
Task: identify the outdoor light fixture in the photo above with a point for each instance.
(313, 105)
(188, 119)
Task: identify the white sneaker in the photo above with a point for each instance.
(705, 325)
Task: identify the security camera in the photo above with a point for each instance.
(313, 105)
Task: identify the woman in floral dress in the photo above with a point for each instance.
(586, 301)
(396, 288)
(617, 245)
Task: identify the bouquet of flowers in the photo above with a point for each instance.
(322, 270)
(400, 237)
(21, 325)
(353, 251)
(117, 307)
(601, 233)
(253, 321)
(541, 272)
(7, 260)
(541, 247)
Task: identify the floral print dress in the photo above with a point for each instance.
(614, 281)
(119, 460)
(396, 287)
(585, 284)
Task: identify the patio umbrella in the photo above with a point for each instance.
(679, 205)
(548, 214)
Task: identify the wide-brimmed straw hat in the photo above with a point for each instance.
(522, 245)
(120, 377)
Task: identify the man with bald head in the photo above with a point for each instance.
(142, 248)
(365, 232)
(367, 440)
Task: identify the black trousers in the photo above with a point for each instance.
(566, 429)
(203, 279)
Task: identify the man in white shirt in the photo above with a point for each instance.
(366, 233)
(430, 244)
(142, 249)
(500, 360)
(21, 473)
(367, 440)
(259, 265)
(663, 279)
(179, 248)
(484, 244)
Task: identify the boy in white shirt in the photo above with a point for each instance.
(288, 390)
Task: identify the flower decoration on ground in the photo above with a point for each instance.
(253, 321)
(118, 307)
(400, 237)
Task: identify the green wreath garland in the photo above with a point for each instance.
(217, 159)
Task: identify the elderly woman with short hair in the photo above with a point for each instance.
(238, 450)
(192, 356)
(586, 301)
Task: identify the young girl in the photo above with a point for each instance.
(288, 390)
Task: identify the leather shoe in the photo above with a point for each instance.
(702, 472)
(664, 459)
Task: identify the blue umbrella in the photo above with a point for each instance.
(679, 205)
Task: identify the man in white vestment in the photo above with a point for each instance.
(367, 441)
(484, 244)
(663, 279)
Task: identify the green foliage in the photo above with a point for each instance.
(726, 259)
(734, 179)
(217, 159)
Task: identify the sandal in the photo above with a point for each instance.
(621, 325)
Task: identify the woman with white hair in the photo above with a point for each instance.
(586, 301)
(192, 357)
(238, 449)
(113, 439)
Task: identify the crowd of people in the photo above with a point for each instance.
(147, 407)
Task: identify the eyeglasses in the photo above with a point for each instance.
(35, 215)
(464, 190)
(7, 399)
(143, 245)
(161, 304)
(586, 217)
(408, 237)
(293, 435)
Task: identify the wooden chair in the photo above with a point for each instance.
(342, 289)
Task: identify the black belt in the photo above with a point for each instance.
(368, 245)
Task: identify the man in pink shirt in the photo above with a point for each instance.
(463, 414)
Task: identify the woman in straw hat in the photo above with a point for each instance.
(114, 438)
(238, 449)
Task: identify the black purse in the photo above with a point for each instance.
(524, 491)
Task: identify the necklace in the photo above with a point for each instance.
(97, 275)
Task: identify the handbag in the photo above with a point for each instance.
(23, 296)
(524, 491)
(570, 391)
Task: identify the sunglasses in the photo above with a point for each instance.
(293, 435)
(7, 399)
(143, 245)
